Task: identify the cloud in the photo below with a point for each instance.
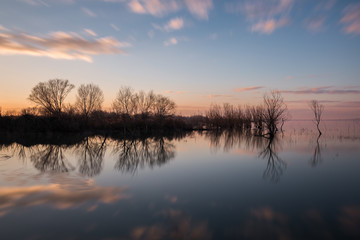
(154, 7)
(159, 8)
(88, 12)
(174, 40)
(199, 8)
(114, 27)
(174, 24)
(90, 32)
(321, 90)
(351, 19)
(247, 89)
(213, 36)
(58, 45)
(36, 2)
(175, 92)
(269, 26)
(171, 41)
(315, 24)
(264, 16)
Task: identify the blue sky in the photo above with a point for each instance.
(197, 52)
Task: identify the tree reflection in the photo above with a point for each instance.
(229, 139)
(51, 158)
(135, 153)
(91, 153)
(275, 165)
(316, 157)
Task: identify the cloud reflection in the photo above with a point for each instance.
(60, 196)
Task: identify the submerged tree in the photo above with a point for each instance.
(50, 95)
(89, 99)
(317, 109)
(274, 112)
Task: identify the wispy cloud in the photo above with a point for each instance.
(171, 41)
(173, 24)
(218, 96)
(175, 92)
(175, 40)
(269, 26)
(116, 28)
(58, 45)
(264, 16)
(247, 89)
(36, 2)
(351, 19)
(315, 24)
(90, 32)
(88, 12)
(321, 90)
(199, 8)
(159, 8)
(154, 7)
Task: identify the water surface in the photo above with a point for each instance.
(209, 185)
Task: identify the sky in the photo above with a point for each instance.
(196, 52)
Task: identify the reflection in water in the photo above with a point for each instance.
(132, 154)
(179, 226)
(91, 154)
(229, 139)
(51, 158)
(316, 157)
(265, 223)
(73, 194)
(246, 140)
(136, 153)
(275, 165)
(350, 220)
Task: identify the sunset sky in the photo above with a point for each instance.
(197, 52)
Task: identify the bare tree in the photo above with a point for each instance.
(124, 101)
(163, 106)
(274, 111)
(145, 101)
(89, 99)
(50, 95)
(317, 109)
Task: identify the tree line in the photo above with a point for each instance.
(147, 110)
(49, 98)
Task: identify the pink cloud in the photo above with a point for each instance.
(315, 24)
(199, 8)
(269, 26)
(58, 45)
(351, 19)
(175, 92)
(154, 7)
(321, 90)
(247, 89)
(264, 16)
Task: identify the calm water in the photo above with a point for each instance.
(199, 186)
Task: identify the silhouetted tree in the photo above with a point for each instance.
(317, 109)
(163, 106)
(89, 99)
(124, 102)
(273, 113)
(50, 95)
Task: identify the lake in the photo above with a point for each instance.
(200, 185)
